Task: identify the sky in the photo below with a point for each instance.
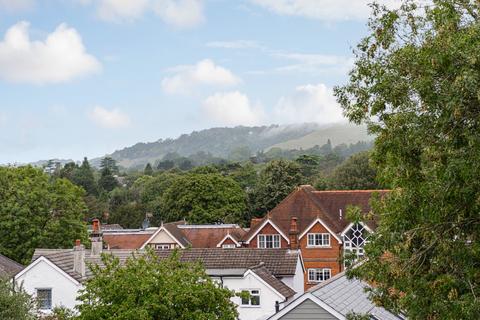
(87, 77)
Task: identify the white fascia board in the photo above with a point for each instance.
(301, 299)
(249, 271)
(51, 264)
(262, 226)
(318, 220)
(228, 236)
(351, 225)
(156, 233)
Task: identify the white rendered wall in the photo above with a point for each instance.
(44, 276)
(268, 297)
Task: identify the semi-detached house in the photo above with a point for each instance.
(271, 276)
(308, 220)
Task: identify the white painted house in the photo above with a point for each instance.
(272, 276)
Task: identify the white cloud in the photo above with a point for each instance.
(314, 63)
(177, 13)
(205, 72)
(118, 10)
(60, 57)
(180, 13)
(16, 5)
(235, 44)
(232, 108)
(325, 10)
(309, 103)
(110, 119)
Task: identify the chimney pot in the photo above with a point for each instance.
(96, 238)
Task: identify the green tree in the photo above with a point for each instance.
(84, 176)
(308, 164)
(38, 212)
(203, 198)
(355, 172)
(276, 181)
(165, 165)
(15, 304)
(415, 82)
(110, 164)
(148, 169)
(107, 181)
(147, 287)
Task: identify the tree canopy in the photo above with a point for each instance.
(146, 287)
(415, 82)
(277, 180)
(38, 212)
(203, 198)
(15, 304)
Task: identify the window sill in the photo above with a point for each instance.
(248, 306)
(318, 247)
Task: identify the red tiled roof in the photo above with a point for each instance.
(126, 240)
(205, 237)
(307, 204)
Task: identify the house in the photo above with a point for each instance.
(8, 267)
(175, 235)
(272, 276)
(334, 299)
(315, 222)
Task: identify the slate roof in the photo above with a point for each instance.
(275, 283)
(346, 296)
(8, 267)
(279, 262)
(63, 258)
(307, 205)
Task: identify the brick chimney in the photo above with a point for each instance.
(255, 221)
(293, 233)
(96, 237)
(79, 258)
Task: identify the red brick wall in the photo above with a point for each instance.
(320, 257)
(227, 241)
(267, 229)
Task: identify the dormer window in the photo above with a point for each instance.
(266, 241)
(318, 240)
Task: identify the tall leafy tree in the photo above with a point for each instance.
(84, 177)
(146, 287)
(110, 164)
(415, 81)
(203, 198)
(148, 169)
(15, 304)
(276, 181)
(355, 172)
(38, 212)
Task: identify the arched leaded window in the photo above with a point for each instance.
(354, 239)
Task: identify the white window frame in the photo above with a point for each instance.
(249, 304)
(262, 241)
(51, 298)
(163, 246)
(229, 246)
(324, 238)
(326, 273)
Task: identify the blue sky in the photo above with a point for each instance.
(86, 77)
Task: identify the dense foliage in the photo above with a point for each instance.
(146, 287)
(15, 304)
(203, 198)
(415, 81)
(38, 212)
